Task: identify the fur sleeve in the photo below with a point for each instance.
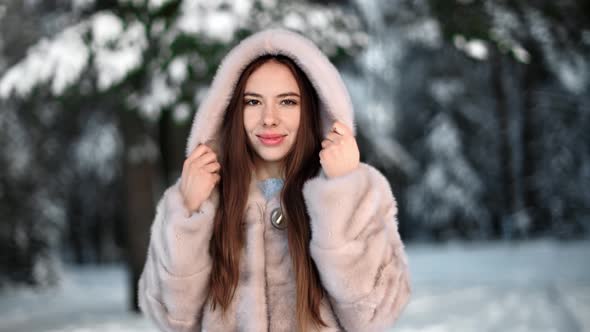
(357, 248)
(174, 282)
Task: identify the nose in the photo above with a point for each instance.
(269, 116)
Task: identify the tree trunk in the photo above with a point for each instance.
(509, 106)
(141, 178)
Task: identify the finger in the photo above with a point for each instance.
(332, 136)
(341, 129)
(326, 143)
(206, 158)
(212, 167)
(197, 152)
(200, 150)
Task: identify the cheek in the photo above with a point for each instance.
(249, 120)
(294, 120)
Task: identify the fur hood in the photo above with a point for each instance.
(335, 103)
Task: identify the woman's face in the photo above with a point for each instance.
(272, 107)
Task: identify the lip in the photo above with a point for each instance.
(271, 139)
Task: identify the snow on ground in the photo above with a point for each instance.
(534, 286)
(531, 286)
(90, 299)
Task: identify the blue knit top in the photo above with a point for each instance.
(270, 187)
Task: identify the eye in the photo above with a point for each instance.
(289, 102)
(252, 102)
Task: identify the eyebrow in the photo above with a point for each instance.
(286, 94)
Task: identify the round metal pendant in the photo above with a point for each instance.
(277, 220)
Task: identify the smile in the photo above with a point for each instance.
(271, 140)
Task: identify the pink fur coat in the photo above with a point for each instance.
(355, 241)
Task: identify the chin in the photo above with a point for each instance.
(271, 156)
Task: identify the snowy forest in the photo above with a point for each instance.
(477, 111)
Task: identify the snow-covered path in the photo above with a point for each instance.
(534, 286)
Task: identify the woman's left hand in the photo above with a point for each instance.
(340, 153)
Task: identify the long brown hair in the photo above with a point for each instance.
(300, 164)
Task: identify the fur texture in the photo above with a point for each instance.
(355, 241)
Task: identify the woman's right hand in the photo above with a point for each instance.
(200, 174)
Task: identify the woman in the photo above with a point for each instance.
(274, 224)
